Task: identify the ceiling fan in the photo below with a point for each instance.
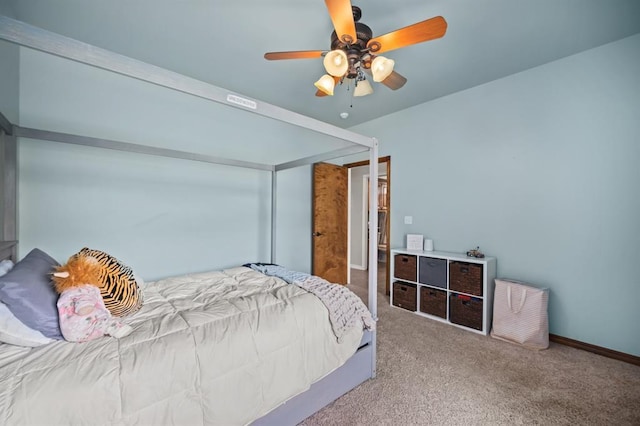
(354, 50)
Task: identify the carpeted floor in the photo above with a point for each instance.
(430, 373)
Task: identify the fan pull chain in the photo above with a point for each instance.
(351, 94)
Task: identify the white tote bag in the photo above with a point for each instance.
(520, 314)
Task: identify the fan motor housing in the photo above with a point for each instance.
(363, 33)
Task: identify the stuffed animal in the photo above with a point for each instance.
(82, 313)
(119, 286)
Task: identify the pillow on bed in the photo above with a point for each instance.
(5, 266)
(28, 293)
(13, 332)
(118, 286)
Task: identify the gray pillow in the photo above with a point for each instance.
(29, 294)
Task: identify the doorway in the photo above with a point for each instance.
(336, 240)
(359, 214)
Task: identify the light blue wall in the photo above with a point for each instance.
(161, 216)
(541, 170)
(9, 73)
(9, 77)
(294, 217)
(9, 94)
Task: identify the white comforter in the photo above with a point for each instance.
(222, 347)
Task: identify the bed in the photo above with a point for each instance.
(221, 347)
(231, 346)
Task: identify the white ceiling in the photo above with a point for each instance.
(223, 42)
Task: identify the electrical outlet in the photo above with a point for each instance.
(408, 220)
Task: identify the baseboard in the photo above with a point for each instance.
(358, 267)
(609, 353)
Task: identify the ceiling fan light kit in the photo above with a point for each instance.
(355, 50)
(363, 88)
(336, 63)
(325, 84)
(381, 68)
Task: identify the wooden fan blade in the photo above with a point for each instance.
(299, 54)
(342, 17)
(417, 33)
(394, 81)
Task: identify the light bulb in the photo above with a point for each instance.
(336, 63)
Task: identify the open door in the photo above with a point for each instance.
(330, 222)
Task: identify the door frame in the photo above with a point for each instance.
(366, 181)
(387, 160)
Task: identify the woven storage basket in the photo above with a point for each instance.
(433, 302)
(404, 295)
(405, 267)
(465, 310)
(465, 278)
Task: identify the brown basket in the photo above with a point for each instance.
(404, 295)
(405, 267)
(465, 310)
(433, 302)
(465, 278)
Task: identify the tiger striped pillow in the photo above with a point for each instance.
(118, 286)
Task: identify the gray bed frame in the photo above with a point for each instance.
(362, 365)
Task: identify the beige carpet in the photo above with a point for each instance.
(430, 373)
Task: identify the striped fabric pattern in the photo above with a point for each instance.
(118, 286)
(520, 314)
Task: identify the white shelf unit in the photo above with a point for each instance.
(420, 280)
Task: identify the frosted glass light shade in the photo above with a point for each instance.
(381, 68)
(363, 88)
(325, 84)
(336, 63)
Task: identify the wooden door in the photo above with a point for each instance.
(330, 222)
